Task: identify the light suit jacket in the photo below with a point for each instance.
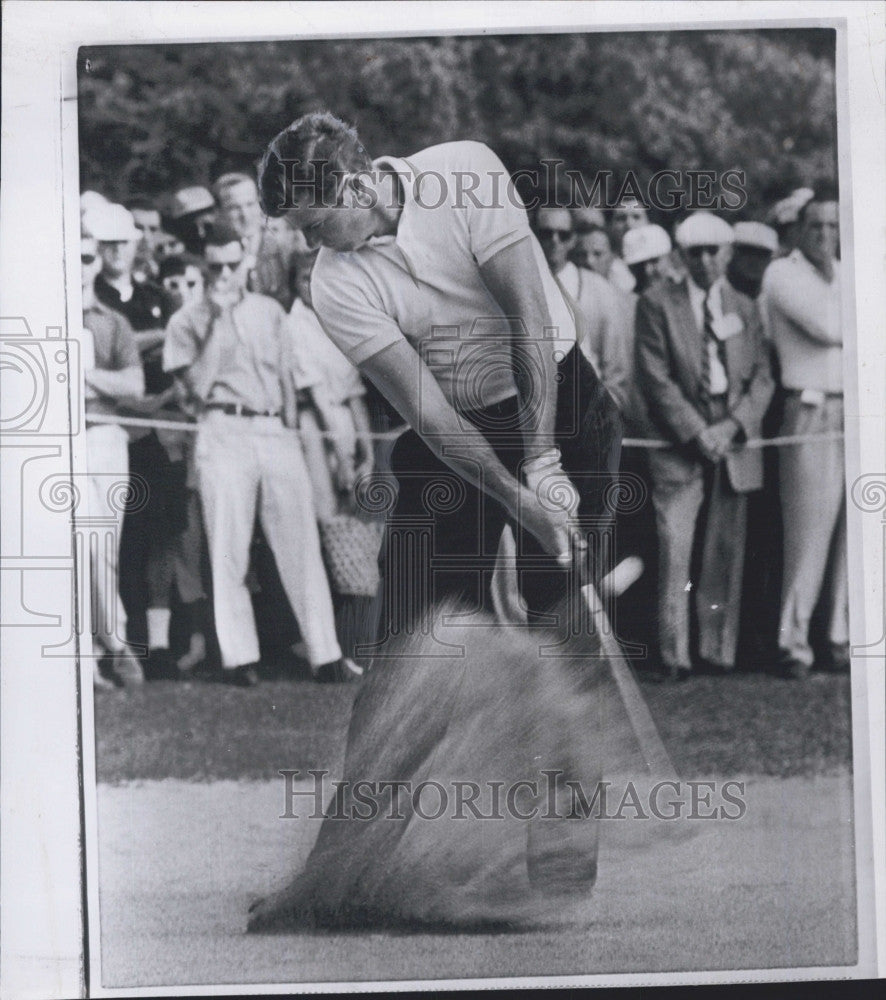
(669, 346)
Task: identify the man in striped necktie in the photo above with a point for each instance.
(706, 380)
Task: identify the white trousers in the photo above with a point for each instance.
(813, 503)
(107, 465)
(255, 464)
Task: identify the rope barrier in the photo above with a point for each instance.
(647, 443)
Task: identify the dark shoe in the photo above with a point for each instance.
(244, 676)
(838, 660)
(794, 670)
(104, 677)
(160, 666)
(341, 671)
(676, 674)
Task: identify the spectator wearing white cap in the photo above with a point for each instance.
(707, 382)
(145, 537)
(646, 250)
(112, 371)
(753, 248)
(271, 264)
(784, 217)
(801, 303)
(600, 332)
(189, 216)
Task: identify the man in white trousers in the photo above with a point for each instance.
(801, 306)
(231, 352)
(112, 370)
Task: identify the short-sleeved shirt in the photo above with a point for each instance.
(318, 360)
(801, 313)
(424, 283)
(237, 356)
(147, 308)
(113, 348)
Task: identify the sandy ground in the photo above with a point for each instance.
(180, 863)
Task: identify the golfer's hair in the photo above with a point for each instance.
(312, 153)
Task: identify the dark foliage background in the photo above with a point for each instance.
(153, 118)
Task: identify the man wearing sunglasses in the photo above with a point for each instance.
(231, 352)
(707, 382)
(600, 332)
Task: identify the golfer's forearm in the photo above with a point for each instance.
(473, 460)
(537, 392)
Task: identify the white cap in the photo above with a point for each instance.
(703, 229)
(788, 210)
(91, 199)
(645, 243)
(190, 200)
(110, 224)
(755, 234)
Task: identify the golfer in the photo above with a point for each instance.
(431, 282)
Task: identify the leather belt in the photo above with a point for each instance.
(817, 392)
(239, 410)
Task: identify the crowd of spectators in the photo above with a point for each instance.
(197, 309)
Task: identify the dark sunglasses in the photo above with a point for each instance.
(563, 235)
(87, 258)
(711, 250)
(218, 268)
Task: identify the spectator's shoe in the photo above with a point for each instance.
(160, 666)
(340, 671)
(838, 660)
(105, 680)
(127, 667)
(195, 655)
(244, 676)
(676, 674)
(794, 670)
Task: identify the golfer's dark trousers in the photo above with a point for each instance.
(443, 533)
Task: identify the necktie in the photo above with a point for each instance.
(710, 338)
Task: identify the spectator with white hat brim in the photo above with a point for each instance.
(706, 377)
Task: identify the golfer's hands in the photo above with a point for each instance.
(549, 503)
(714, 441)
(364, 458)
(344, 465)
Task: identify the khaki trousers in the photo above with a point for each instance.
(813, 502)
(248, 466)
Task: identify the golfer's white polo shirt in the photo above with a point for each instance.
(424, 283)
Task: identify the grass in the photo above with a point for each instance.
(746, 723)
